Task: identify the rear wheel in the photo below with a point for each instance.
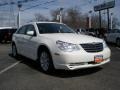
(14, 50)
(118, 42)
(45, 61)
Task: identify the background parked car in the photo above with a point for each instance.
(90, 32)
(82, 31)
(6, 34)
(113, 36)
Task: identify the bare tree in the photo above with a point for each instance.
(116, 22)
(40, 17)
(75, 19)
(54, 14)
(72, 17)
(95, 21)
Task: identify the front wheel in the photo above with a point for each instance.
(45, 61)
(118, 42)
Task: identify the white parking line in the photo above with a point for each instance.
(9, 67)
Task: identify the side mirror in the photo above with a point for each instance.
(30, 33)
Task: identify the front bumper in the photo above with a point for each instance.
(78, 60)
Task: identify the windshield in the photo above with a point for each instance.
(45, 28)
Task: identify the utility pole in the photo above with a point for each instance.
(108, 19)
(18, 17)
(19, 4)
(100, 20)
(61, 2)
(111, 21)
(90, 19)
(61, 9)
(104, 18)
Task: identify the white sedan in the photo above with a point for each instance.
(56, 46)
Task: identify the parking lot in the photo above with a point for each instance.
(24, 74)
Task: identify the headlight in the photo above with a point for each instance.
(67, 47)
(104, 44)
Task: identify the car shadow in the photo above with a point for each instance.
(75, 73)
(32, 64)
(58, 73)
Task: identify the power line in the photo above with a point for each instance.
(11, 2)
(18, 2)
(39, 5)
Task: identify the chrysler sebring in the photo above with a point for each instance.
(56, 46)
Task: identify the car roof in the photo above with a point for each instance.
(48, 22)
(43, 22)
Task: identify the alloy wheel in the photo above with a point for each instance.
(44, 61)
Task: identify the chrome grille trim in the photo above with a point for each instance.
(92, 47)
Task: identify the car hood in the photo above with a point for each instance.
(72, 38)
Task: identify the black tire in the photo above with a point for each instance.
(45, 61)
(14, 51)
(118, 42)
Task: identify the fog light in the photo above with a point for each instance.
(77, 64)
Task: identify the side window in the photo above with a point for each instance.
(22, 30)
(31, 28)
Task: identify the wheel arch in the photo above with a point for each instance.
(41, 48)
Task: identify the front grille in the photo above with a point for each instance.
(92, 47)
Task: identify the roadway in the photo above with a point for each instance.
(24, 74)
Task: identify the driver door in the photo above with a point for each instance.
(30, 44)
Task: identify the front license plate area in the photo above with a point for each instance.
(98, 58)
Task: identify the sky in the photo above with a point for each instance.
(45, 8)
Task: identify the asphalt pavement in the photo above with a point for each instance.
(24, 74)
